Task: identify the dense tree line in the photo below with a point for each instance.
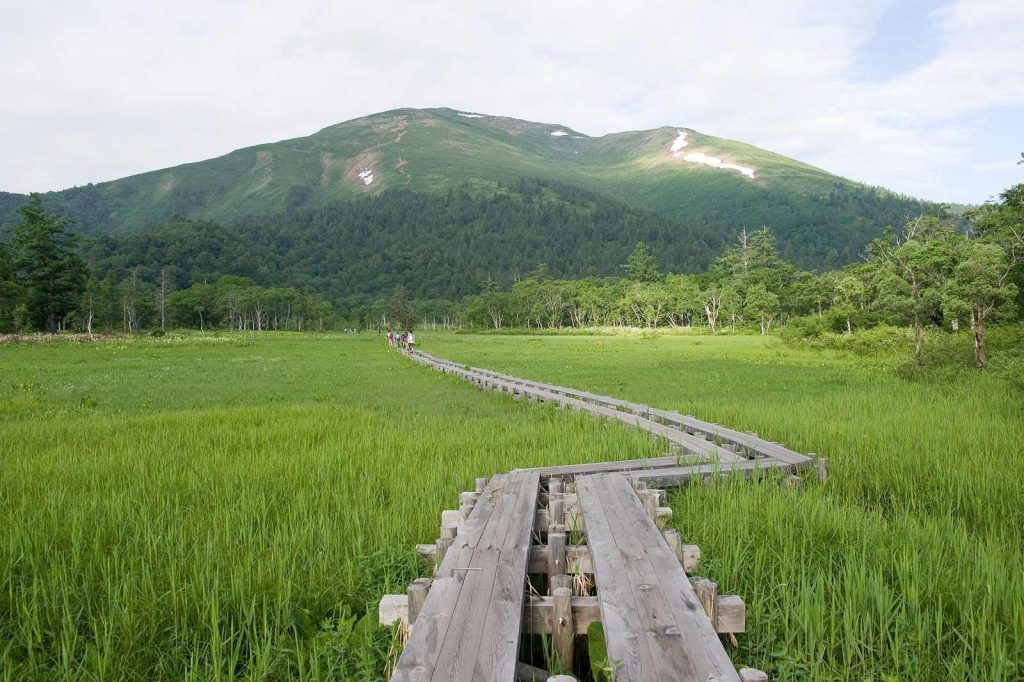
(48, 284)
(536, 255)
(930, 273)
(445, 246)
(438, 247)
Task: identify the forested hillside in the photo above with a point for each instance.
(437, 246)
(821, 220)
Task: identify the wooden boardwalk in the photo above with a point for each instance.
(544, 553)
(696, 441)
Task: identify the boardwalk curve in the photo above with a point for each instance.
(546, 552)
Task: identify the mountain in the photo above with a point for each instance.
(821, 219)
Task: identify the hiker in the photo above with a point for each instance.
(410, 341)
(391, 338)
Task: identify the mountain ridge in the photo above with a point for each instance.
(821, 219)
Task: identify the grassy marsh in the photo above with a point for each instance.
(209, 507)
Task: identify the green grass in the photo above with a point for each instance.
(905, 565)
(208, 509)
(217, 508)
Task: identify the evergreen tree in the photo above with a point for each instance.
(640, 265)
(399, 311)
(51, 274)
(9, 299)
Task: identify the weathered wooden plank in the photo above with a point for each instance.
(653, 623)
(746, 440)
(493, 618)
(470, 622)
(675, 476)
(618, 465)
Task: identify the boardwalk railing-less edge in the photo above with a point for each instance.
(533, 557)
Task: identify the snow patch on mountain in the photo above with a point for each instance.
(469, 115)
(366, 176)
(679, 143)
(700, 157)
(715, 162)
(559, 133)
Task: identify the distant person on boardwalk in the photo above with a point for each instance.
(410, 341)
(391, 338)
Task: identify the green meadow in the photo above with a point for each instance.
(231, 507)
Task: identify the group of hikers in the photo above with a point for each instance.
(404, 340)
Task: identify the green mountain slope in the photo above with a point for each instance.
(436, 245)
(821, 219)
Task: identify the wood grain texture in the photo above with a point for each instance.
(470, 623)
(654, 624)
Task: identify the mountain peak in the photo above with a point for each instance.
(677, 171)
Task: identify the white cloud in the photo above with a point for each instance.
(96, 90)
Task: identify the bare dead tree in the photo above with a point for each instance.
(164, 286)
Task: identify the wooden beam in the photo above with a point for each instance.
(540, 611)
(528, 673)
(577, 559)
(556, 553)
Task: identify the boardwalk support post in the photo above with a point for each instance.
(417, 593)
(556, 510)
(556, 550)
(563, 632)
(792, 481)
(707, 593)
(442, 545)
(822, 465)
(691, 557)
(675, 542)
(649, 498)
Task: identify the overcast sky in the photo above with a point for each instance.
(926, 98)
